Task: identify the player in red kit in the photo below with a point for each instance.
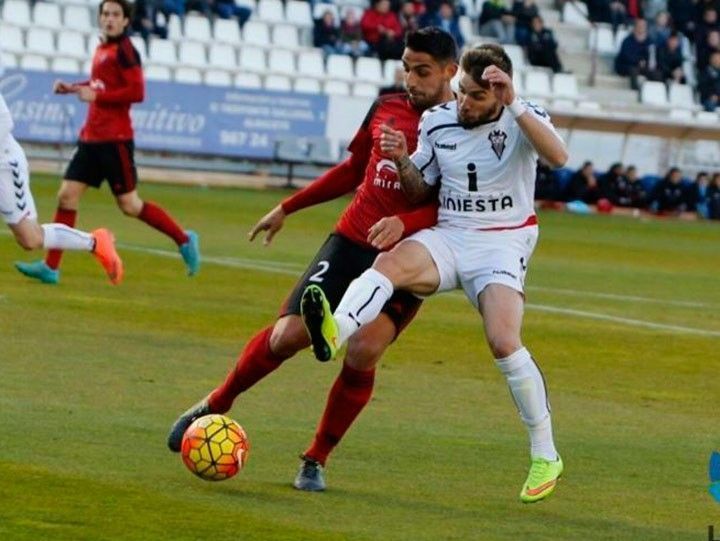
(105, 150)
(377, 217)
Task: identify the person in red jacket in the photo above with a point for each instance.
(105, 150)
(377, 217)
(382, 30)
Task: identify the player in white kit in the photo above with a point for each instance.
(17, 209)
(481, 152)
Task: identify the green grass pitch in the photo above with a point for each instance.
(623, 317)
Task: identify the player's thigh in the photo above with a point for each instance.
(367, 345)
(338, 262)
(118, 163)
(16, 200)
(502, 308)
(288, 336)
(83, 170)
(130, 203)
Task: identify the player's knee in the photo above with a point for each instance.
(288, 337)
(29, 240)
(363, 353)
(68, 199)
(129, 207)
(389, 265)
(503, 345)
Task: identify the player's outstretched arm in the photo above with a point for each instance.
(394, 146)
(272, 222)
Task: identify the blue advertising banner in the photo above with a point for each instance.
(174, 117)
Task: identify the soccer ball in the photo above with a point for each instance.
(215, 447)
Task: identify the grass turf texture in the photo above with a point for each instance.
(92, 377)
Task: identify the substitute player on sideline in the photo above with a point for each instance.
(106, 149)
(430, 60)
(17, 208)
(482, 150)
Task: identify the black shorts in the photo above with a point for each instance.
(94, 162)
(338, 262)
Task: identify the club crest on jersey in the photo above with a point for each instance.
(497, 141)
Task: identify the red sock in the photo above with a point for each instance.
(62, 216)
(256, 361)
(156, 217)
(349, 395)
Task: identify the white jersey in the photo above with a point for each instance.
(16, 201)
(6, 124)
(486, 173)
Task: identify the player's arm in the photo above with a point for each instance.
(413, 178)
(540, 134)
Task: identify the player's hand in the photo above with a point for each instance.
(386, 232)
(500, 83)
(85, 93)
(392, 142)
(272, 222)
(61, 87)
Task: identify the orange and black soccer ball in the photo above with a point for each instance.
(215, 447)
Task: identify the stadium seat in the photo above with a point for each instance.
(34, 62)
(271, 11)
(252, 59)
(466, 26)
(215, 77)
(365, 90)
(226, 31)
(197, 28)
(285, 35)
(16, 12)
(174, 28)
(307, 85)
(620, 36)
(222, 55)
(320, 9)
(192, 53)
(681, 96)
(63, 64)
(86, 67)
(310, 64)
(369, 69)
(247, 80)
(517, 82)
(40, 40)
(517, 57)
(281, 61)
(297, 12)
(77, 17)
(162, 52)
(277, 82)
(575, 13)
(602, 38)
(11, 39)
(681, 114)
(154, 72)
(537, 83)
(654, 93)
(139, 44)
(706, 117)
(47, 15)
(337, 88)
(7, 60)
(564, 85)
(321, 152)
(340, 66)
(184, 74)
(389, 70)
(256, 33)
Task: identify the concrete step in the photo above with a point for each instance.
(571, 37)
(580, 63)
(611, 97)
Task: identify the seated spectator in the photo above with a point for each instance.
(326, 35)
(660, 29)
(651, 8)
(446, 19)
(144, 21)
(670, 60)
(708, 23)
(712, 198)
(683, 14)
(542, 47)
(697, 193)
(709, 84)
(546, 184)
(227, 9)
(706, 48)
(635, 190)
(382, 31)
(669, 196)
(171, 7)
(583, 185)
(633, 60)
(351, 34)
(497, 21)
(398, 85)
(609, 182)
(524, 11)
(409, 19)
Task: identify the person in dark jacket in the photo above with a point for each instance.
(542, 47)
(670, 60)
(709, 84)
(583, 185)
(524, 11)
(669, 196)
(712, 197)
(633, 60)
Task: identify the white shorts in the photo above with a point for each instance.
(16, 201)
(471, 259)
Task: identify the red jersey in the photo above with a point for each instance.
(379, 193)
(117, 78)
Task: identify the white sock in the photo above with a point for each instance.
(62, 237)
(528, 390)
(362, 302)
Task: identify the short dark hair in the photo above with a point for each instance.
(127, 7)
(433, 41)
(474, 61)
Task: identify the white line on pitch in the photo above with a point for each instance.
(615, 296)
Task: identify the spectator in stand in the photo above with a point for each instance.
(398, 83)
(409, 19)
(382, 31)
(636, 192)
(524, 11)
(712, 198)
(651, 8)
(609, 182)
(697, 193)
(497, 21)
(201, 6)
(144, 21)
(172, 7)
(542, 47)
(447, 20)
(546, 185)
(326, 35)
(660, 28)
(707, 24)
(583, 185)
(351, 34)
(669, 196)
(706, 48)
(227, 9)
(670, 60)
(683, 13)
(614, 12)
(633, 60)
(709, 84)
